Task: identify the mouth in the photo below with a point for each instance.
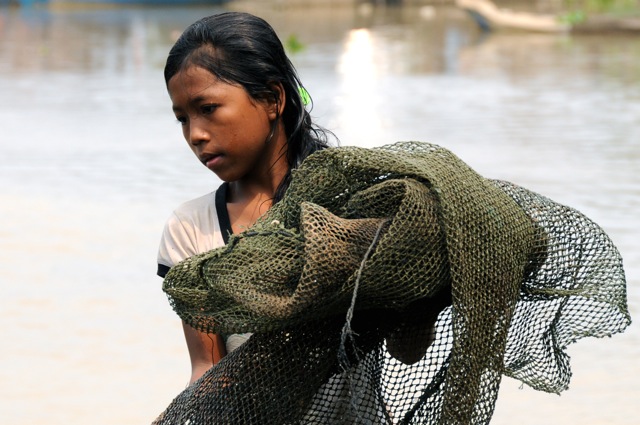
(209, 159)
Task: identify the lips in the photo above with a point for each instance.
(210, 159)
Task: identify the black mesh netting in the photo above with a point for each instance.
(394, 285)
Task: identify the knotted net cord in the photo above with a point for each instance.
(467, 279)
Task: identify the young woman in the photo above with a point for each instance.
(242, 109)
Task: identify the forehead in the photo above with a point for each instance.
(192, 81)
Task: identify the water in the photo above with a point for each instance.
(92, 163)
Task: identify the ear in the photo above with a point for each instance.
(275, 104)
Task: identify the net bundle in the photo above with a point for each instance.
(394, 286)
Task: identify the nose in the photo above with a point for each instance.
(197, 134)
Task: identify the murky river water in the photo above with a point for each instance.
(92, 162)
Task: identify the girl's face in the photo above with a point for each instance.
(226, 129)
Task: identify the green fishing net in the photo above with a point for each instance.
(394, 286)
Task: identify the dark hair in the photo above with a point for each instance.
(240, 48)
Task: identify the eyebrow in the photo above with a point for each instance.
(193, 100)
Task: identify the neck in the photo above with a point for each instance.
(249, 199)
(264, 181)
(242, 191)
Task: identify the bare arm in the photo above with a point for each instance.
(205, 350)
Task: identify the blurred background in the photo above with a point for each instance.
(92, 162)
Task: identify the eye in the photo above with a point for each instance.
(181, 119)
(208, 109)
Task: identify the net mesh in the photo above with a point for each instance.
(394, 286)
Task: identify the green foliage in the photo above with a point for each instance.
(578, 11)
(600, 6)
(573, 17)
(293, 44)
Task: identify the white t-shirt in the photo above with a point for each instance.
(193, 228)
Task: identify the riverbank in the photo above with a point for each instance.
(490, 17)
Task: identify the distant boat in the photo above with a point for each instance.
(489, 17)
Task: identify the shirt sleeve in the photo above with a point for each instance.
(177, 243)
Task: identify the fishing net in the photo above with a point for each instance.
(394, 285)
